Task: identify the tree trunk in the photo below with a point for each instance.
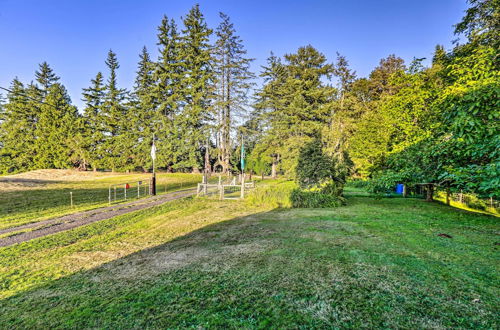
(448, 195)
(273, 167)
(430, 193)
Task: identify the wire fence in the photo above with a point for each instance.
(18, 206)
(470, 201)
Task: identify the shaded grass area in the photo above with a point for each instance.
(205, 263)
(52, 198)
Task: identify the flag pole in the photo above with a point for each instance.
(153, 178)
(242, 194)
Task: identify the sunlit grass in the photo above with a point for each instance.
(52, 198)
(200, 262)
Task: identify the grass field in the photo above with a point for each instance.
(42, 194)
(207, 263)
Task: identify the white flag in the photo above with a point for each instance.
(153, 151)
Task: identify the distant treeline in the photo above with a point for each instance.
(404, 123)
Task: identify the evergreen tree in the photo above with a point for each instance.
(55, 128)
(116, 143)
(94, 125)
(167, 93)
(144, 107)
(196, 82)
(17, 131)
(233, 83)
(298, 102)
(45, 77)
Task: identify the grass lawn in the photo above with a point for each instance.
(43, 194)
(206, 263)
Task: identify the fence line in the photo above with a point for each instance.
(470, 200)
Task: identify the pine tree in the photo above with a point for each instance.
(56, 126)
(167, 93)
(196, 82)
(233, 83)
(93, 131)
(117, 146)
(45, 77)
(296, 101)
(144, 106)
(17, 131)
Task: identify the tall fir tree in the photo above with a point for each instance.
(167, 93)
(94, 126)
(144, 106)
(116, 143)
(45, 78)
(296, 102)
(233, 74)
(55, 129)
(197, 85)
(17, 130)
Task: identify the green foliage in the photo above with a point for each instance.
(233, 81)
(196, 80)
(314, 199)
(93, 131)
(318, 171)
(38, 126)
(273, 195)
(294, 102)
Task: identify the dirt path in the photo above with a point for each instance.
(70, 221)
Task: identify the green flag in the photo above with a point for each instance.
(242, 155)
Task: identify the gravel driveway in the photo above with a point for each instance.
(55, 225)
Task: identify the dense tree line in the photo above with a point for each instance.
(187, 98)
(405, 122)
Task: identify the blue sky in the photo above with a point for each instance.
(74, 36)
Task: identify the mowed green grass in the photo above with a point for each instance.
(37, 199)
(206, 263)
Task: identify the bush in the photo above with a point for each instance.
(314, 199)
(358, 183)
(276, 196)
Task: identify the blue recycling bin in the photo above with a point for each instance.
(399, 188)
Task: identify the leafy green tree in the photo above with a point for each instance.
(344, 111)
(481, 23)
(469, 137)
(370, 142)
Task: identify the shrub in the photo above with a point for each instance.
(314, 199)
(320, 177)
(276, 196)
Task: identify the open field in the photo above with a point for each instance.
(203, 263)
(43, 194)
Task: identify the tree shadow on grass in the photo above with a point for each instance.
(235, 273)
(130, 288)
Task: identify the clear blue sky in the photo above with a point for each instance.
(74, 36)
